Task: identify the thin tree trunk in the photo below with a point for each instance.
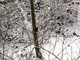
(3, 49)
(37, 49)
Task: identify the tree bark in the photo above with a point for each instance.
(37, 49)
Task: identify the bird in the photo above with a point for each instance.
(35, 30)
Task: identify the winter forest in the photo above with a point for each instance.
(39, 29)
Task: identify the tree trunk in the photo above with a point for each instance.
(37, 49)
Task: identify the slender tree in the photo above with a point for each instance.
(37, 49)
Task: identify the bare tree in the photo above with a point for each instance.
(37, 49)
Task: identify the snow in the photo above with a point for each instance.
(63, 48)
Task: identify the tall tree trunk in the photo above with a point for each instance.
(37, 49)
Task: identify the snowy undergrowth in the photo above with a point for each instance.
(59, 38)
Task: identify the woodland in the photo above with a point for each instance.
(39, 29)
